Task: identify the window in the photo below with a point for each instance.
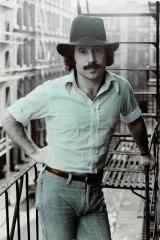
(26, 52)
(20, 92)
(19, 17)
(19, 55)
(26, 14)
(7, 28)
(7, 59)
(8, 97)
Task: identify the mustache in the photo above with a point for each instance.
(92, 65)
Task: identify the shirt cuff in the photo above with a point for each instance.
(18, 117)
(132, 116)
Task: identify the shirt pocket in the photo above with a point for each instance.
(63, 121)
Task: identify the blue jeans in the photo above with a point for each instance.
(71, 209)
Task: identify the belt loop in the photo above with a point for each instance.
(43, 168)
(86, 179)
(69, 178)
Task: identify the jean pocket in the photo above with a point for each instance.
(38, 189)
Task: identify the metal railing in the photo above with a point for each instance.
(13, 219)
(125, 162)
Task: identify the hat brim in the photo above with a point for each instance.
(64, 48)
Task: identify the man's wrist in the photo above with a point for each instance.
(35, 153)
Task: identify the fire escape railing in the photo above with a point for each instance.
(18, 182)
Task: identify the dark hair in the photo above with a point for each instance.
(69, 60)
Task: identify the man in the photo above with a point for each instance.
(81, 111)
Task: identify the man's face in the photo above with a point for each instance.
(90, 61)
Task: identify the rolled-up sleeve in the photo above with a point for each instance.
(130, 111)
(33, 106)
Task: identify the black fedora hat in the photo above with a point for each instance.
(86, 31)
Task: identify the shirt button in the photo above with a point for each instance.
(93, 129)
(95, 150)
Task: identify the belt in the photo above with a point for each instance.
(87, 178)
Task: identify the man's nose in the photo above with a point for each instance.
(91, 56)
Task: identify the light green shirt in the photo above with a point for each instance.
(79, 130)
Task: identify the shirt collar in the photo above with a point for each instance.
(70, 80)
(109, 79)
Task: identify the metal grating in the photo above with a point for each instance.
(123, 169)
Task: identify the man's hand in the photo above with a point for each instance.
(148, 160)
(40, 155)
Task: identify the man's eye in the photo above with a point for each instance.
(82, 51)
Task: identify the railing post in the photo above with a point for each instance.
(27, 207)
(157, 60)
(79, 7)
(16, 210)
(37, 222)
(147, 203)
(7, 214)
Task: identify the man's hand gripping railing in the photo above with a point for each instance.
(148, 161)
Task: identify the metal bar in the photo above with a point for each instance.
(157, 201)
(147, 75)
(17, 176)
(147, 202)
(18, 215)
(79, 7)
(121, 14)
(108, 185)
(87, 6)
(37, 221)
(124, 134)
(149, 115)
(152, 135)
(157, 57)
(124, 152)
(18, 195)
(133, 69)
(138, 43)
(128, 169)
(139, 195)
(7, 215)
(145, 93)
(27, 207)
